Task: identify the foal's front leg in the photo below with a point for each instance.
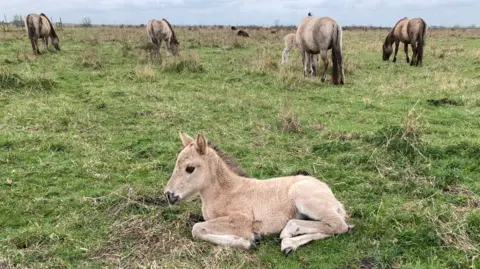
(227, 231)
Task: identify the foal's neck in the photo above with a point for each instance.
(221, 179)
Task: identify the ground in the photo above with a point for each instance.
(89, 137)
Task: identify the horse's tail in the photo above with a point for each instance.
(30, 28)
(337, 58)
(52, 31)
(421, 42)
(174, 36)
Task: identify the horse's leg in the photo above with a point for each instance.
(227, 231)
(35, 41)
(33, 46)
(414, 56)
(314, 65)
(396, 51)
(406, 52)
(325, 215)
(324, 56)
(159, 48)
(45, 43)
(306, 64)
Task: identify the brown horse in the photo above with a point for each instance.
(407, 31)
(39, 26)
(159, 30)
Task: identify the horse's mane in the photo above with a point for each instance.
(229, 161)
(402, 19)
(52, 31)
(393, 29)
(174, 36)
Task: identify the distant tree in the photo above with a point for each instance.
(17, 20)
(276, 22)
(86, 22)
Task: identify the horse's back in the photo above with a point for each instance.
(315, 33)
(417, 26)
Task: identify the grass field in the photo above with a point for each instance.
(89, 137)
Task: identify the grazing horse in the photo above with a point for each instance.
(159, 30)
(316, 35)
(407, 31)
(238, 210)
(39, 26)
(290, 42)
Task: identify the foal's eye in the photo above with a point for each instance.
(190, 169)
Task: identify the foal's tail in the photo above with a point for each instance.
(337, 58)
(421, 42)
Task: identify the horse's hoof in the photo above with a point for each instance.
(350, 228)
(322, 79)
(394, 60)
(287, 251)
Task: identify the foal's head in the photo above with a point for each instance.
(191, 170)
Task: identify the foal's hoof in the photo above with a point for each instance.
(350, 229)
(287, 251)
(256, 238)
(255, 241)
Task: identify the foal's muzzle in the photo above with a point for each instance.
(171, 197)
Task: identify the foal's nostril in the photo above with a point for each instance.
(171, 197)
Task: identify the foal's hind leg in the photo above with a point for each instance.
(406, 52)
(325, 216)
(285, 52)
(324, 56)
(228, 231)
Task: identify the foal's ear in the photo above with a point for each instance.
(201, 144)
(186, 139)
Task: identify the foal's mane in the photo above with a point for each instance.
(229, 161)
(52, 31)
(174, 36)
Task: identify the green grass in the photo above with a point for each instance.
(89, 137)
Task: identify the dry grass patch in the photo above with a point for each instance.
(288, 120)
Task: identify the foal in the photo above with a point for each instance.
(238, 210)
(289, 41)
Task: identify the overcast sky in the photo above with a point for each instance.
(247, 12)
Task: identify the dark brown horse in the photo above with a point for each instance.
(240, 32)
(39, 26)
(407, 31)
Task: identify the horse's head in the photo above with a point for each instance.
(191, 170)
(55, 42)
(175, 47)
(387, 51)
